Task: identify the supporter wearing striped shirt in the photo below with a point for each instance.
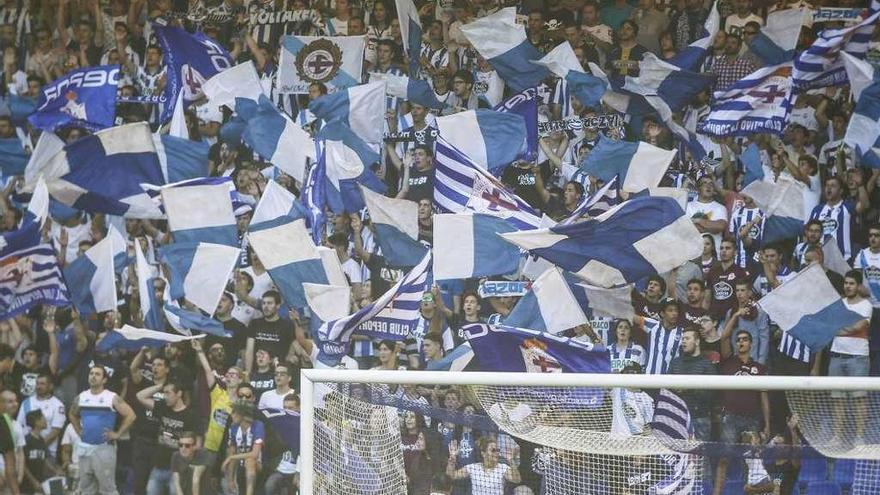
(868, 261)
(836, 214)
(434, 55)
(812, 237)
(746, 225)
(385, 54)
(663, 337)
(624, 351)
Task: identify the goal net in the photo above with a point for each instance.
(378, 432)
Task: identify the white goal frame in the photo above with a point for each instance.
(311, 377)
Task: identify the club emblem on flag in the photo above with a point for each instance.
(318, 61)
(488, 197)
(16, 269)
(536, 358)
(73, 108)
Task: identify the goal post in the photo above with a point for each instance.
(806, 393)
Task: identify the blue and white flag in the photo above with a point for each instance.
(103, 173)
(752, 164)
(198, 271)
(119, 246)
(396, 225)
(600, 202)
(180, 158)
(332, 336)
(491, 139)
(360, 108)
(563, 62)
(44, 152)
(201, 213)
(671, 425)
(410, 33)
(13, 159)
(275, 137)
(468, 245)
(692, 56)
(134, 339)
(776, 41)
(29, 271)
(83, 98)
(783, 205)
(314, 198)
(458, 359)
(863, 130)
(637, 165)
(524, 104)
(291, 258)
(758, 103)
(414, 90)
(674, 86)
(503, 43)
(190, 60)
(549, 307)
(285, 424)
(809, 307)
(335, 61)
(346, 161)
(820, 65)
(151, 309)
(506, 348)
(239, 82)
(184, 321)
(639, 237)
(277, 206)
(91, 279)
(460, 185)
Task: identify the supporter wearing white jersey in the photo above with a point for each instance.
(836, 214)
(868, 261)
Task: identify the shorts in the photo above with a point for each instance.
(848, 365)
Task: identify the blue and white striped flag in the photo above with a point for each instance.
(277, 205)
(639, 237)
(563, 62)
(758, 103)
(410, 32)
(91, 279)
(491, 139)
(408, 88)
(783, 205)
(671, 425)
(600, 202)
(198, 271)
(820, 65)
(240, 81)
(457, 359)
(131, 338)
(180, 158)
(863, 131)
(460, 185)
(272, 135)
(333, 336)
(692, 56)
(201, 214)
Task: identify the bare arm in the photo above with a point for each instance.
(145, 396)
(249, 355)
(128, 417)
(206, 366)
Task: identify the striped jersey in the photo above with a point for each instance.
(837, 223)
(740, 217)
(794, 348)
(621, 356)
(97, 415)
(663, 346)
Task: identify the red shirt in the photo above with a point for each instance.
(742, 402)
(722, 284)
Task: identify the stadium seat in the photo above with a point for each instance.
(812, 469)
(823, 488)
(842, 473)
(733, 487)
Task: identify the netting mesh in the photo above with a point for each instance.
(839, 424)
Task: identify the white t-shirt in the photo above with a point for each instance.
(712, 211)
(54, 412)
(487, 482)
(735, 24)
(70, 437)
(352, 271)
(271, 399)
(262, 283)
(852, 344)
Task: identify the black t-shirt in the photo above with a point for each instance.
(171, 425)
(523, 183)
(25, 380)
(35, 454)
(421, 185)
(262, 381)
(146, 425)
(184, 467)
(275, 336)
(233, 345)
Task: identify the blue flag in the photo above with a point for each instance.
(285, 424)
(29, 271)
(83, 98)
(191, 59)
(13, 159)
(525, 104)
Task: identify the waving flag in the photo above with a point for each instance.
(180, 158)
(13, 159)
(587, 88)
(83, 98)
(314, 198)
(760, 102)
(291, 258)
(131, 338)
(410, 32)
(146, 275)
(776, 42)
(637, 165)
(335, 61)
(211, 220)
(275, 137)
(103, 173)
(199, 271)
(820, 65)
(503, 42)
(675, 87)
(285, 424)
(332, 336)
(235, 83)
(549, 306)
(360, 108)
(491, 139)
(691, 57)
(754, 167)
(277, 205)
(524, 104)
(396, 223)
(415, 90)
(640, 237)
(672, 426)
(460, 185)
(468, 245)
(597, 204)
(809, 307)
(184, 321)
(346, 160)
(191, 59)
(783, 205)
(863, 130)
(44, 153)
(91, 279)
(458, 359)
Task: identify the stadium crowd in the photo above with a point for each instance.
(184, 418)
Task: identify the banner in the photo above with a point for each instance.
(503, 288)
(83, 98)
(335, 61)
(426, 136)
(599, 122)
(831, 14)
(29, 277)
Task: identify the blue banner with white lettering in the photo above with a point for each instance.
(525, 103)
(83, 98)
(190, 60)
